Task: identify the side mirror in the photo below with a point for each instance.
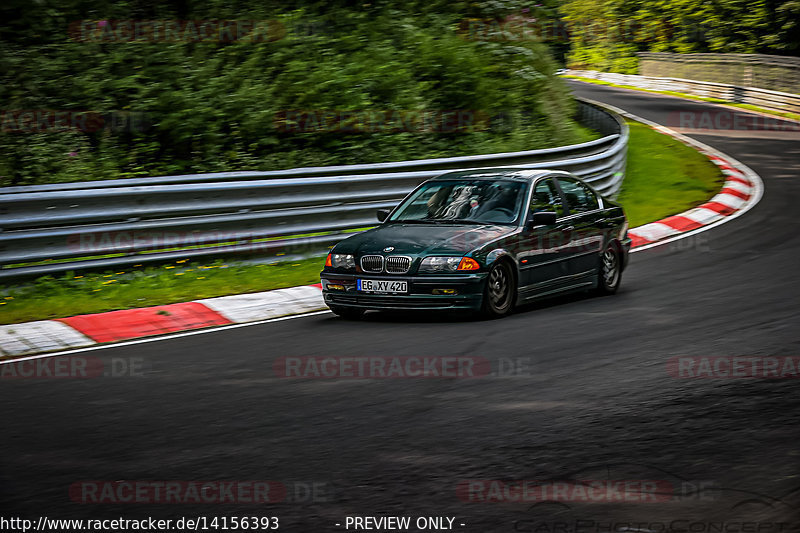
(382, 214)
(543, 218)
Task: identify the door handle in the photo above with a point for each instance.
(568, 228)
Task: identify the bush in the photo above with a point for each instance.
(207, 107)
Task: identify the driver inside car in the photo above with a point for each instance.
(500, 207)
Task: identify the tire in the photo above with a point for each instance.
(609, 270)
(500, 291)
(348, 313)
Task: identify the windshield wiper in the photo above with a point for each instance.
(415, 221)
(438, 221)
(420, 221)
(461, 221)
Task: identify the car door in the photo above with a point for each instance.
(586, 234)
(542, 255)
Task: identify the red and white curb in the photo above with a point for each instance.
(241, 308)
(742, 190)
(40, 336)
(80, 331)
(737, 191)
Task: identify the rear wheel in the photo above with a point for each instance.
(500, 291)
(348, 313)
(610, 271)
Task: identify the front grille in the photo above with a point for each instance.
(372, 263)
(398, 264)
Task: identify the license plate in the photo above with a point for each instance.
(382, 286)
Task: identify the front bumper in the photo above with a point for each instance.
(468, 287)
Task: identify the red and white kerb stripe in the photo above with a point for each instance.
(735, 193)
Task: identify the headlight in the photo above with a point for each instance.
(439, 264)
(343, 261)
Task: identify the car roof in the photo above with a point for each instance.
(519, 174)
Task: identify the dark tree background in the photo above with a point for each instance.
(212, 106)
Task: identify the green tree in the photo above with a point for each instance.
(606, 34)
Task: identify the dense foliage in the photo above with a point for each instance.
(606, 34)
(216, 106)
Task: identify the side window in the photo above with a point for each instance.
(580, 198)
(546, 198)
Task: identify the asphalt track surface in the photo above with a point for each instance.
(594, 401)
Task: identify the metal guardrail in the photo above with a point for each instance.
(261, 216)
(773, 100)
(774, 73)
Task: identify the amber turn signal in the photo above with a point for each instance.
(468, 263)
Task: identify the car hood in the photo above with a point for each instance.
(422, 239)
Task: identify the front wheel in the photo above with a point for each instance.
(498, 296)
(610, 271)
(348, 313)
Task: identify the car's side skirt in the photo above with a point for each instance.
(562, 284)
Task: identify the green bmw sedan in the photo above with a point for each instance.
(484, 241)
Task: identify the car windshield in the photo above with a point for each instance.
(463, 202)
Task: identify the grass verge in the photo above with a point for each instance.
(50, 297)
(664, 177)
